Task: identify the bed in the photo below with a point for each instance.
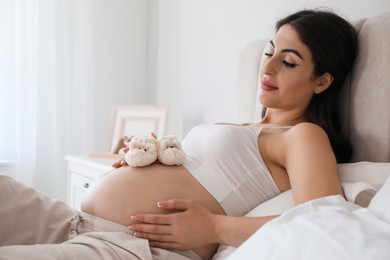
(333, 227)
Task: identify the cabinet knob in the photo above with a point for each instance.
(86, 185)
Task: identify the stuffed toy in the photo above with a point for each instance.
(170, 151)
(145, 150)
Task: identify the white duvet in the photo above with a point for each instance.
(326, 228)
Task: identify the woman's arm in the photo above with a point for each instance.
(235, 230)
(310, 163)
(194, 226)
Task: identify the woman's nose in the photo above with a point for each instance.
(268, 67)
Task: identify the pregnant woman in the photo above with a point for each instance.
(184, 212)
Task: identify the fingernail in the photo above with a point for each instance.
(137, 234)
(161, 204)
(133, 218)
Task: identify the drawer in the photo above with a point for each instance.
(78, 185)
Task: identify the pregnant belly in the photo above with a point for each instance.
(127, 191)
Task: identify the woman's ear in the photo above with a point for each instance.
(323, 82)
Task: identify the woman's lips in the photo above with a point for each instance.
(265, 85)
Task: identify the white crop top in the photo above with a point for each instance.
(226, 160)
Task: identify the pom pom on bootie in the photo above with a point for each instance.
(142, 151)
(170, 151)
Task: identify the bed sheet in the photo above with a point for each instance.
(326, 228)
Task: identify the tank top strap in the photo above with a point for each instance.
(275, 126)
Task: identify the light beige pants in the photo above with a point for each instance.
(34, 226)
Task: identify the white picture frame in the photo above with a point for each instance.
(137, 120)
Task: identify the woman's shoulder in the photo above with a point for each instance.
(306, 128)
(304, 140)
(306, 132)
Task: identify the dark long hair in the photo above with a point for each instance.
(333, 45)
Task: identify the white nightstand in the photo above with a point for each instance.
(82, 171)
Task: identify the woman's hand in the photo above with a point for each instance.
(122, 161)
(192, 227)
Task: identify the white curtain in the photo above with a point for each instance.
(46, 111)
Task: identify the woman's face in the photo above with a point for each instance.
(286, 72)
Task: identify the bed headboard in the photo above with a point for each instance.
(365, 100)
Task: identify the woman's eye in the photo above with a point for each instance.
(286, 63)
(289, 64)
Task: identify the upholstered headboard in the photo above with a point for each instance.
(365, 101)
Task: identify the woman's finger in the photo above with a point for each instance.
(160, 219)
(175, 204)
(151, 229)
(123, 162)
(167, 245)
(155, 237)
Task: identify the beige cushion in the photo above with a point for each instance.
(368, 123)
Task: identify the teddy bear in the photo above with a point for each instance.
(145, 150)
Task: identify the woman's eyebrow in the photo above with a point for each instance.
(288, 50)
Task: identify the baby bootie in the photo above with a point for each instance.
(170, 151)
(142, 151)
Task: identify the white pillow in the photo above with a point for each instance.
(359, 193)
(355, 177)
(375, 174)
(280, 204)
(325, 228)
(380, 204)
(274, 206)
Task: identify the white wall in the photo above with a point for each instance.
(72, 61)
(152, 51)
(198, 45)
(7, 50)
(119, 45)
